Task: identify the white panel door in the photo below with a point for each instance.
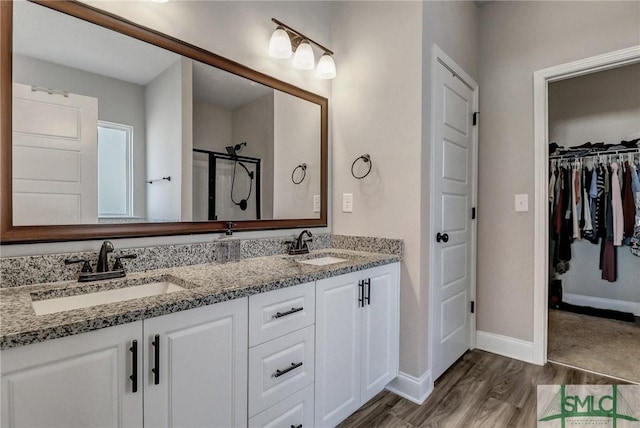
(54, 158)
(452, 184)
(202, 379)
(379, 330)
(77, 381)
(338, 348)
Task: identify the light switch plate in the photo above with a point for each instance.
(316, 203)
(522, 203)
(347, 202)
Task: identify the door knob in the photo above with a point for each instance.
(442, 237)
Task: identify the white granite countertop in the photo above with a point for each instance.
(204, 284)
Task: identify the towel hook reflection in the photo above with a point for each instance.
(366, 159)
(303, 173)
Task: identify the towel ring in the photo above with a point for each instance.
(302, 167)
(366, 159)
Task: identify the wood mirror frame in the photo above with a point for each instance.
(24, 234)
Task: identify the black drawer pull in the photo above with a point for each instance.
(294, 366)
(361, 294)
(368, 298)
(284, 314)
(156, 360)
(134, 366)
(296, 426)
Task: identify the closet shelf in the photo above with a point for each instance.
(600, 153)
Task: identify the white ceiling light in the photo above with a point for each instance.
(280, 44)
(285, 39)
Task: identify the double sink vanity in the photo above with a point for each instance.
(277, 340)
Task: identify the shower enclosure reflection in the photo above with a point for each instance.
(226, 186)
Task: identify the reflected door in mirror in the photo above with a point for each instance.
(54, 157)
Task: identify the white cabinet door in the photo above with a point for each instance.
(338, 347)
(76, 381)
(380, 330)
(202, 378)
(357, 333)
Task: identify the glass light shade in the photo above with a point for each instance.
(326, 67)
(280, 44)
(304, 59)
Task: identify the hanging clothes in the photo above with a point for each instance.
(575, 203)
(586, 224)
(616, 206)
(566, 224)
(628, 204)
(608, 260)
(601, 204)
(635, 185)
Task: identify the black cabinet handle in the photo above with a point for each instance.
(361, 294)
(442, 237)
(368, 298)
(294, 366)
(156, 359)
(134, 366)
(296, 426)
(284, 314)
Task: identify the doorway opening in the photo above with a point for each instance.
(544, 318)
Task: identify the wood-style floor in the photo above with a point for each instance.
(480, 390)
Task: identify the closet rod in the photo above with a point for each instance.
(598, 153)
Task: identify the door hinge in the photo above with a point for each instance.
(473, 307)
(475, 117)
(473, 213)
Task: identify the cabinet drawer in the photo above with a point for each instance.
(293, 411)
(279, 312)
(279, 368)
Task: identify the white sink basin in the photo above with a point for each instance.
(322, 261)
(61, 304)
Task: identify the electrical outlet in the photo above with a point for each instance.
(347, 202)
(522, 203)
(316, 203)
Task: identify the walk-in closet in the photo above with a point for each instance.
(594, 222)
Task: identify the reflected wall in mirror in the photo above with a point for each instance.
(108, 129)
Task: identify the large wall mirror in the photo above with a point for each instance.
(110, 129)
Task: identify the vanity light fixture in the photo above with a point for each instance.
(286, 40)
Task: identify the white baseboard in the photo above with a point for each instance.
(412, 388)
(602, 303)
(505, 345)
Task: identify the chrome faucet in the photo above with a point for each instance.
(103, 257)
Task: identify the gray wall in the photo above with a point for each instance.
(603, 106)
(381, 106)
(254, 123)
(118, 101)
(516, 39)
(164, 145)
